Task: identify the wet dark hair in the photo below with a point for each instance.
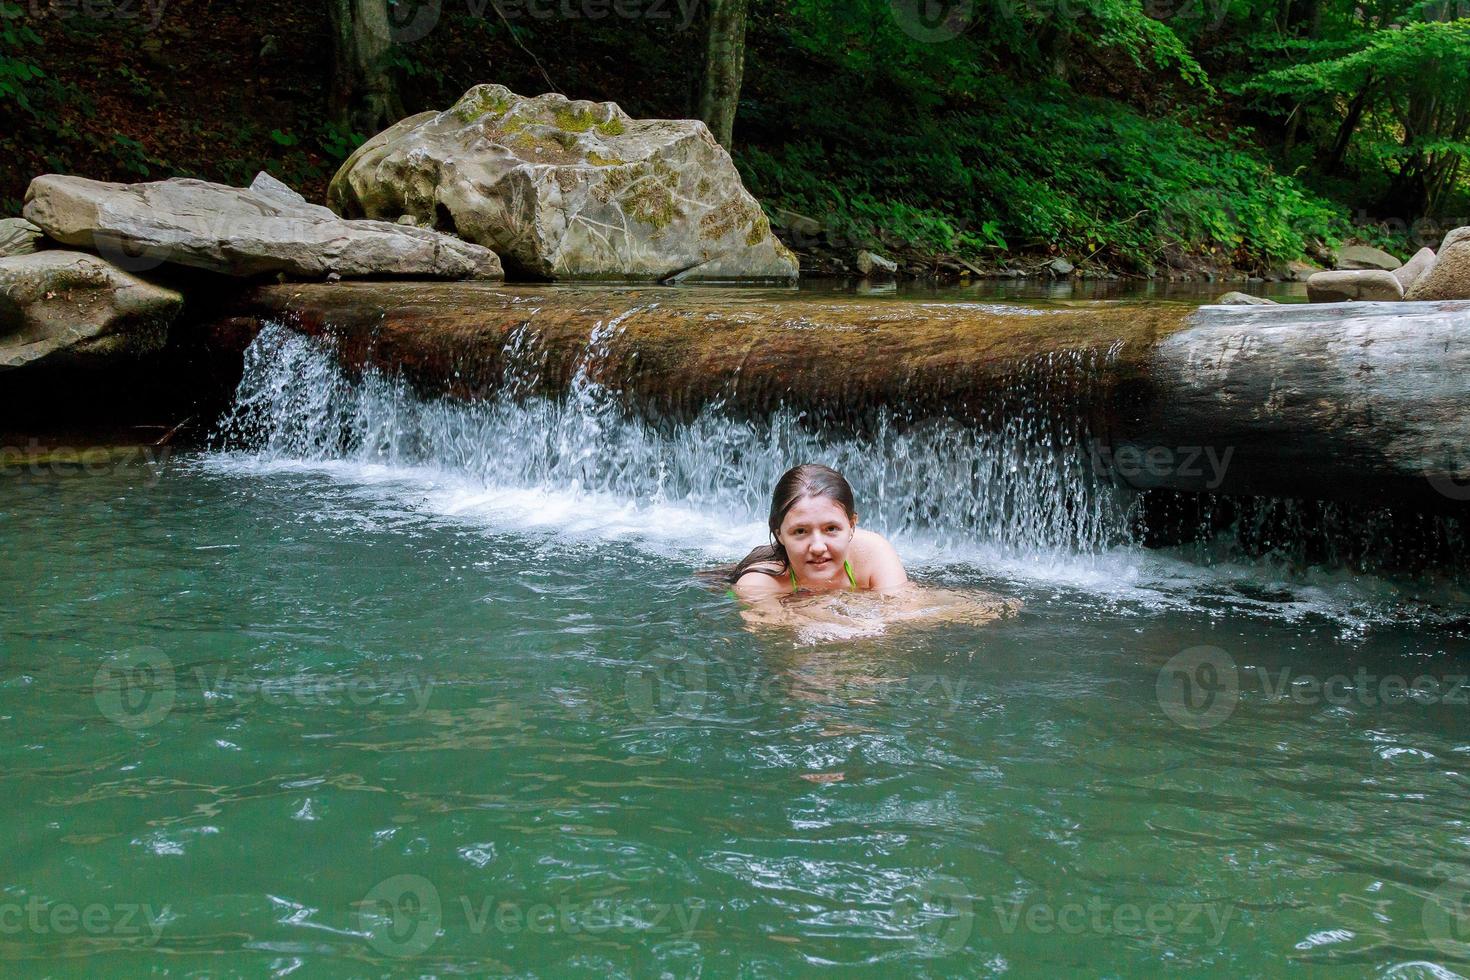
(796, 484)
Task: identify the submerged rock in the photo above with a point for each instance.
(1374, 285)
(18, 237)
(1352, 257)
(1449, 277)
(567, 189)
(63, 305)
(267, 228)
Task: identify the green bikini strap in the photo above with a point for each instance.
(846, 567)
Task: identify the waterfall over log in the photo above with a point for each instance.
(1350, 402)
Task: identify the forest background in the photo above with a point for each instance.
(1130, 136)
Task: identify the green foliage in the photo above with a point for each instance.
(17, 70)
(338, 142)
(1027, 166)
(1393, 78)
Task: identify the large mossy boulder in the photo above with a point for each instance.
(69, 306)
(263, 229)
(567, 189)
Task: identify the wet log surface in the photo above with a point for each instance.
(1367, 403)
(674, 351)
(1361, 402)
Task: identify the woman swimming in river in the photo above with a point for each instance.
(818, 556)
(816, 543)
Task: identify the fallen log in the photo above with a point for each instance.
(1366, 403)
(1360, 402)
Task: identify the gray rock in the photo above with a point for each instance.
(1410, 271)
(1243, 299)
(872, 265)
(18, 237)
(1449, 277)
(267, 187)
(265, 229)
(1365, 257)
(1374, 285)
(567, 190)
(1060, 267)
(70, 306)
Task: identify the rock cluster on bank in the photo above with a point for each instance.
(1368, 274)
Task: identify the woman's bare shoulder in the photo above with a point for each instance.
(877, 560)
(866, 542)
(758, 584)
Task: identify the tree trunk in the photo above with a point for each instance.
(1349, 126)
(724, 68)
(364, 95)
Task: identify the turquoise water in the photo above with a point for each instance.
(408, 689)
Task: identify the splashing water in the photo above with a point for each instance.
(1023, 487)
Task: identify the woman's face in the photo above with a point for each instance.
(816, 533)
